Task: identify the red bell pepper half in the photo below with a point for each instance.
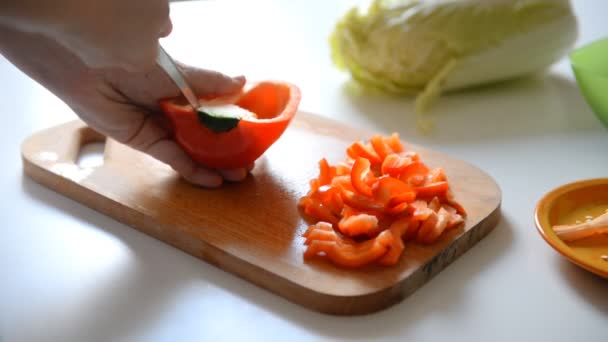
(274, 103)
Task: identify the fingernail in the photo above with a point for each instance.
(234, 175)
(166, 29)
(206, 178)
(213, 182)
(239, 79)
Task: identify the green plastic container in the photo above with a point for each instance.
(590, 66)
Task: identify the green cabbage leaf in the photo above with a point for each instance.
(426, 47)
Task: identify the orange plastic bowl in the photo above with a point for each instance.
(565, 205)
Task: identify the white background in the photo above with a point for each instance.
(68, 273)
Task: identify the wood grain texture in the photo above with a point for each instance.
(253, 229)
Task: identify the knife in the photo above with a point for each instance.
(164, 60)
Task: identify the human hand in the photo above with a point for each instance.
(108, 33)
(120, 104)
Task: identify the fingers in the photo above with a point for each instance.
(144, 60)
(145, 89)
(152, 138)
(167, 26)
(111, 101)
(208, 83)
(169, 152)
(166, 29)
(234, 175)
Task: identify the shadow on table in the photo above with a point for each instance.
(137, 297)
(437, 297)
(134, 297)
(519, 108)
(590, 287)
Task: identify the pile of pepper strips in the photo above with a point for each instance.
(363, 208)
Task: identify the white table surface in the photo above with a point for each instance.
(68, 273)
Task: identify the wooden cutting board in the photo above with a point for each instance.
(253, 229)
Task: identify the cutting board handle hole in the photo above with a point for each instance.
(91, 154)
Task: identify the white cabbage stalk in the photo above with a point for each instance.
(425, 47)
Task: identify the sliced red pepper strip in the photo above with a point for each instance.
(459, 208)
(395, 143)
(382, 150)
(433, 227)
(320, 231)
(426, 227)
(404, 198)
(455, 218)
(410, 154)
(352, 256)
(397, 209)
(361, 175)
(394, 165)
(330, 197)
(360, 224)
(432, 190)
(420, 210)
(348, 211)
(315, 247)
(449, 198)
(436, 175)
(321, 225)
(434, 204)
(412, 231)
(318, 234)
(394, 253)
(343, 169)
(314, 184)
(343, 182)
(359, 150)
(393, 190)
(360, 202)
(274, 103)
(397, 229)
(320, 212)
(415, 173)
(326, 172)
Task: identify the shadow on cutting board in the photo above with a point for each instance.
(261, 210)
